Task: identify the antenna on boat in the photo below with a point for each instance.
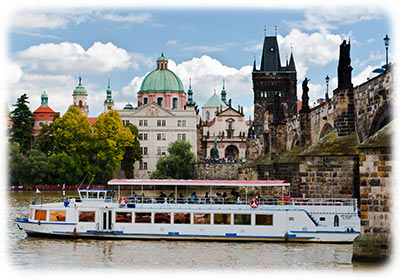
(82, 182)
(90, 182)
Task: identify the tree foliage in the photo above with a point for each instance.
(132, 153)
(22, 118)
(178, 164)
(110, 141)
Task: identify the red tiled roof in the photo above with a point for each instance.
(44, 109)
(92, 120)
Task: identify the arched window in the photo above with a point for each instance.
(145, 100)
(208, 116)
(160, 101)
(80, 103)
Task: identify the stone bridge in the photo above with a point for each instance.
(371, 111)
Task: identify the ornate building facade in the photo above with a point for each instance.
(162, 116)
(43, 115)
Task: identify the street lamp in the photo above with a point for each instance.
(326, 93)
(386, 39)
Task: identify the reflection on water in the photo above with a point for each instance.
(33, 253)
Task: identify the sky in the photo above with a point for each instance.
(49, 48)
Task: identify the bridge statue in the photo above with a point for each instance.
(214, 151)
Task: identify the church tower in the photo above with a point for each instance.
(109, 102)
(274, 87)
(80, 98)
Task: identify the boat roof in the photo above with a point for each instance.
(172, 182)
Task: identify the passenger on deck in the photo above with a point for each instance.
(181, 198)
(206, 198)
(171, 197)
(193, 197)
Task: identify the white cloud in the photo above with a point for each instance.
(14, 72)
(38, 20)
(329, 18)
(70, 58)
(172, 42)
(309, 50)
(130, 18)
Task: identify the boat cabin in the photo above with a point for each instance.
(96, 194)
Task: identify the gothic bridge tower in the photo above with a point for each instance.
(275, 93)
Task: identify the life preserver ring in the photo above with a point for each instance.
(253, 203)
(122, 201)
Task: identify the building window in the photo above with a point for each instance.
(143, 136)
(160, 101)
(208, 116)
(125, 122)
(142, 165)
(161, 136)
(144, 151)
(145, 100)
(181, 122)
(160, 122)
(142, 122)
(174, 103)
(161, 150)
(181, 136)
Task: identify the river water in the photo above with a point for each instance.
(28, 253)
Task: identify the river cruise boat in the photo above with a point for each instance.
(241, 215)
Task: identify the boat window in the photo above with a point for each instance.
(322, 219)
(181, 218)
(222, 218)
(264, 219)
(242, 219)
(40, 214)
(143, 217)
(83, 194)
(31, 214)
(102, 195)
(123, 217)
(92, 195)
(162, 218)
(291, 218)
(201, 218)
(57, 215)
(86, 216)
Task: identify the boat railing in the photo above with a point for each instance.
(244, 201)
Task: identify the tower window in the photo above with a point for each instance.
(145, 100)
(208, 116)
(80, 103)
(160, 101)
(174, 103)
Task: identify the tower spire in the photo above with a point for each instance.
(223, 92)
(109, 102)
(190, 102)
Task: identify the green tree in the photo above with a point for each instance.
(22, 118)
(65, 169)
(73, 136)
(45, 140)
(178, 164)
(132, 153)
(15, 159)
(35, 169)
(110, 142)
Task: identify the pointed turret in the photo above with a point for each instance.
(254, 65)
(45, 99)
(190, 102)
(223, 92)
(292, 66)
(270, 60)
(109, 102)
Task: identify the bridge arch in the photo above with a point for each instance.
(382, 117)
(325, 130)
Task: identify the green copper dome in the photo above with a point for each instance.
(161, 79)
(128, 106)
(80, 90)
(215, 101)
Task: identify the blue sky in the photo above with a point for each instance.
(48, 49)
